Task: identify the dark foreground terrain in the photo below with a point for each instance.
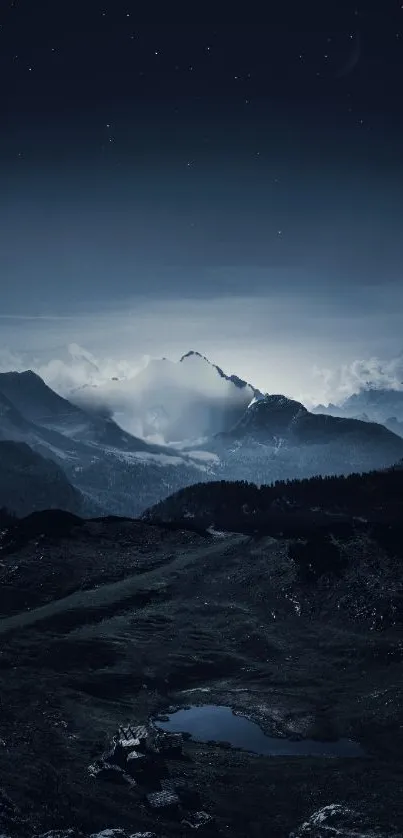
(105, 624)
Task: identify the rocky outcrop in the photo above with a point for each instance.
(339, 821)
(139, 757)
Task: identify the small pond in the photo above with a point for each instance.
(215, 723)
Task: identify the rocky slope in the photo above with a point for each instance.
(37, 403)
(106, 624)
(30, 482)
(116, 472)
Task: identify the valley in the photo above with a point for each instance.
(252, 575)
(108, 623)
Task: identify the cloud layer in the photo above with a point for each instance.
(79, 368)
(340, 383)
(273, 341)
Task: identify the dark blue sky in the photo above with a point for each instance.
(251, 167)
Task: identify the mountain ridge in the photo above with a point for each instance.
(370, 404)
(239, 382)
(30, 482)
(101, 460)
(292, 506)
(273, 437)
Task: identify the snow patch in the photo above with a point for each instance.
(204, 456)
(145, 457)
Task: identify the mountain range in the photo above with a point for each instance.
(371, 404)
(113, 470)
(218, 427)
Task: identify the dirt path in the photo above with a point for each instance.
(117, 592)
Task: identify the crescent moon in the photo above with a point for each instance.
(352, 59)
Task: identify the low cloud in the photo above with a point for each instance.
(340, 383)
(78, 368)
(260, 339)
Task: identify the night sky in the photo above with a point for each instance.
(232, 188)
